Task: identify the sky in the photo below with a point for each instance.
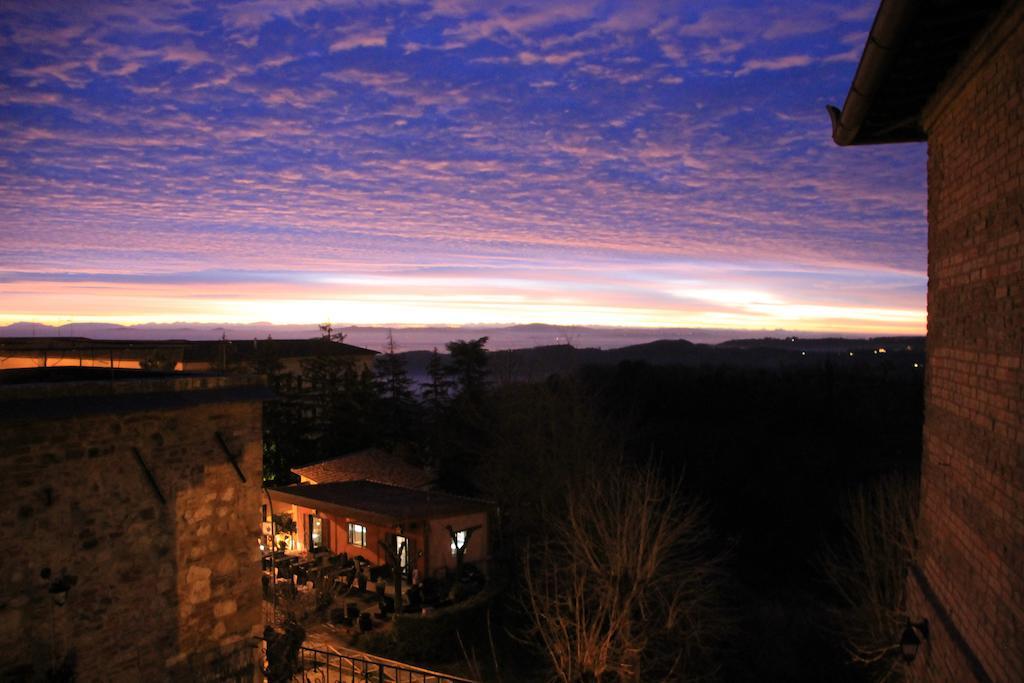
(635, 164)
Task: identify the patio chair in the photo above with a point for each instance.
(365, 624)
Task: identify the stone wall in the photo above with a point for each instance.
(971, 583)
(163, 586)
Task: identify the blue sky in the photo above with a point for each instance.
(617, 163)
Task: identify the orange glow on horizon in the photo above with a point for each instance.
(695, 308)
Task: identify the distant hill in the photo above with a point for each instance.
(828, 344)
(417, 338)
(539, 361)
(767, 353)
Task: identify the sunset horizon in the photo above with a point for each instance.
(480, 341)
(450, 163)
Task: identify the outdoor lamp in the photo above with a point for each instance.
(913, 634)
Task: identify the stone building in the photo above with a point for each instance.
(131, 518)
(230, 355)
(952, 73)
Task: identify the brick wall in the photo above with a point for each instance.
(160, 586)
(972, 514)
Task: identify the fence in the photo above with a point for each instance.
(318, 666)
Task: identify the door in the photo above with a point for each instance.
(402, 549)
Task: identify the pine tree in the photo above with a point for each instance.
(435, 391)
(340, 400)
(468, 368)
(398, 405)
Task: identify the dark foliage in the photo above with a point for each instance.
(398, 409)
(771, 448)
(282, 651)
(774, 452)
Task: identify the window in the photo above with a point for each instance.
(459, 542)
(316, 532)
(356, 534)
(402, 548)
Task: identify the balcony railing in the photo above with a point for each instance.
(318, 666)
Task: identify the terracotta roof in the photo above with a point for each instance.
(372, 465)
(379, 502)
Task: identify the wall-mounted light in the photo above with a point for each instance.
(914, 633)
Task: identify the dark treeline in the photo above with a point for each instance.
(769, 453)
(774, 454)
(336, 406)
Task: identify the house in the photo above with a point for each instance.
(371, 464)
(43, 352)
(131, 519)
(290, 354)
(175, 354)
(952, 74)
(360, 517)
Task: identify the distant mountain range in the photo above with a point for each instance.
(905, 353)
(406, 338)
(525, 352)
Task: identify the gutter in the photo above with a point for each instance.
(888, 34)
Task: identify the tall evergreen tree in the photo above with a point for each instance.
(398, 405)
(340, 400)
(436, 390)
(468, 367)
(465, 422)
(281, 428)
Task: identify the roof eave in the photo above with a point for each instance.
(888, 34)
(335, 508)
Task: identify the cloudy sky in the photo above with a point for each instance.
(618, 163)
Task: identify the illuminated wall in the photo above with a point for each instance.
(125, 486)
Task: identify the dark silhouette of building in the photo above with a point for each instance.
(173, 354)
(952, 73)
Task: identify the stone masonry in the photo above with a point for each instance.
(970, 581)
(164, 587)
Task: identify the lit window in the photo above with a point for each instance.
(356, 534)
(459, 542)
(316, 532)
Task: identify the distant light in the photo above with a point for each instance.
(916, 365)
(881, 350)
(851, 353)
(803, 353)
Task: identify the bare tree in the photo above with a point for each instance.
(460, 548)
(623, 588)
(394, 558)
(869, 572)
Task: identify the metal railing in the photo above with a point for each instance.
(319, 666)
